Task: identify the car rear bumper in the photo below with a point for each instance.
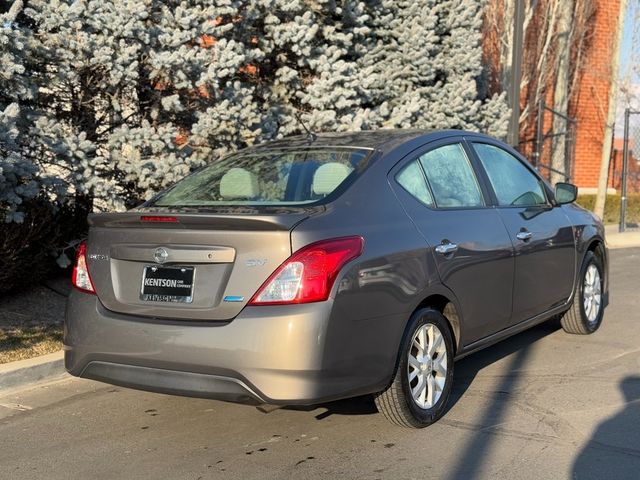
(172, 382)
(273, 355)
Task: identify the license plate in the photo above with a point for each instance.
(167, 284)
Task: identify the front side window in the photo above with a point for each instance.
(268, 177)
(513, 183)
(451, 177)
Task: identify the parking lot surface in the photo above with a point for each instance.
(542, 404)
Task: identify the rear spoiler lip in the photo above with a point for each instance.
(201, 221)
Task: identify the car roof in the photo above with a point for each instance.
(381, 140)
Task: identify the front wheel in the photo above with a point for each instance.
(585, 315)
(418, 394)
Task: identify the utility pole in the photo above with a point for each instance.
(513, 93)
(625, 169)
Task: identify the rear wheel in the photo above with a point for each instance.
(418, 394)
(585, 315)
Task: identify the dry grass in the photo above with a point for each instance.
(612, 207)
(31, 322)
(23, 343)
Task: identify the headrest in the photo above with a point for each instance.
(239, 183)
(328, 176)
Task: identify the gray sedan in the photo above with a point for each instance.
(317, 268)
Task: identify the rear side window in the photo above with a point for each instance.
(442, 177)
(270, 177)
(412, 180)
(513, 183)
(451, 177)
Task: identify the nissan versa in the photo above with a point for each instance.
(317, 268)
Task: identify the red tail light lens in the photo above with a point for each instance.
(81, 278)
(308, 275)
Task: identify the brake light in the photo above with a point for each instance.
(157, 218)
(308, 275)
(81, 278)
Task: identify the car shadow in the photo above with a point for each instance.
(613, 451)
(466, 371)
(518, 348)
(362, 405)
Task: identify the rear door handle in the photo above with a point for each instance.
(446, 248)
(523, 235)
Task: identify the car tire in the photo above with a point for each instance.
(587, 309)
(418, 393)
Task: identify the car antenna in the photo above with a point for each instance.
(311, 137)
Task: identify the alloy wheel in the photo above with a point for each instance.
(427, 366)
(592, 293)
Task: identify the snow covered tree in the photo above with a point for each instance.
(17, 174)
(135, 94)
(273, 60)
(422, 67)
(89, 79)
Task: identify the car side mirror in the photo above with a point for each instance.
(566, 193)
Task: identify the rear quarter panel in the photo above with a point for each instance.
(375, 294)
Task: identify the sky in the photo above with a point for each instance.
(629, 63)
(629, 50)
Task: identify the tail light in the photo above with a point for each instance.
(308, 275)
(81, 278)
(158, 218)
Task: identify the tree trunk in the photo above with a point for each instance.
(603, 180)
(561, 90)
(506, 47)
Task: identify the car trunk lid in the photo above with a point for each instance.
(195, 266)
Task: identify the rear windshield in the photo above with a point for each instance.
(269, 177)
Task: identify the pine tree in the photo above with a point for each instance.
(275, 61)
(18, 175)
(422, 67)
(89, 88)
(135, 94)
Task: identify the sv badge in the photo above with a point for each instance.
(256, 262)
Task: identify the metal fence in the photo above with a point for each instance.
(540, 148)
(631, 141)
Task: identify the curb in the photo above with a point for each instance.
(623, 240)
(615, 239)
(33, 370)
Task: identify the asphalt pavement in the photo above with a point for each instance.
(542, 404)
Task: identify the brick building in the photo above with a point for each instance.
(591, 99)
(590, 83)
